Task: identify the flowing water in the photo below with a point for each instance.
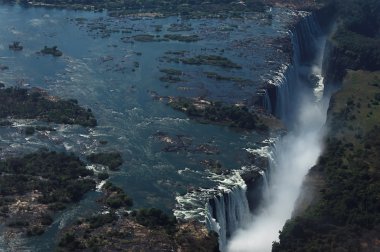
(304, 110)
(105, 70)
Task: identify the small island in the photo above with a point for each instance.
(182, 38)
(212, 60)
(111, 159)
(16, 46)
(21, 103)
(52, 51)
(216, 112)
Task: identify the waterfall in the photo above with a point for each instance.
(289, 82)
(294, 101)
(290, 97)
(227, 211)
(265, 100)
(266, 191)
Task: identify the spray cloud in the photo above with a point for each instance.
(294, 155)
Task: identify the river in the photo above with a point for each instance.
(105, 70)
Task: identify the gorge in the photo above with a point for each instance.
(296, 97)
(196, 127)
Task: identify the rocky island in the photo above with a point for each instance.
(16, 46)
(36, 104)
(52, 51)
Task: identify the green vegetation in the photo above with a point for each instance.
(345, 216)
(155, 218)
(52, 51)
(171, 75)
(45, 182)
(103, 176)
(218, 77)
(182, 38)
(16, 46)
(100, 220)
(357, 38)
(171, 71)
(20, 103)
(70, 242)
(212, 60)
(170, 79)
(115, 197)
(216, 112)
(57, 176)
(111, 159)
(144, 38)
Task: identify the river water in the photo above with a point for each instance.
(99, 69)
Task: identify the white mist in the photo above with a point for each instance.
(294, 155)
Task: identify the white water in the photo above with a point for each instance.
(231, 210)
(296, 153)
(304, 111)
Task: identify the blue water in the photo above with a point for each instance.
(127, 115)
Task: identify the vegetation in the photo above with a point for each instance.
(57, 176)
(357, 38)
(155, 218)
(218, 77)
(100, 220)
(212, 60)
(171, 71)
(23, 104)
(52, 51)
(171, 75)
(103, 176)
(111, 159)
(216, 112)
(184, 7)
(182, 38)
(15, 46)
(144, 38)
(115, 197)
(110, 232)
(44, 181)
(139, 230)
(346, 216)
